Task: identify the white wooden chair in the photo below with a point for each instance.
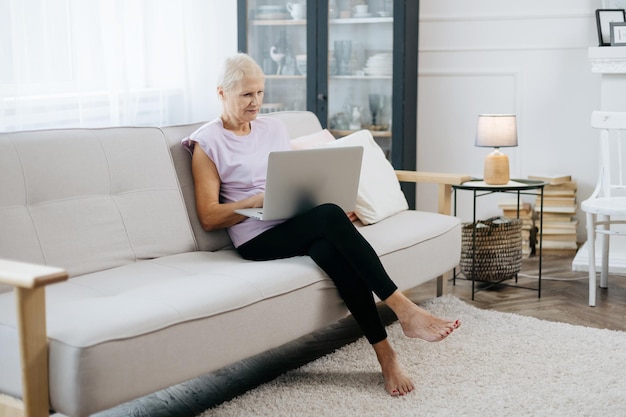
(606, 207)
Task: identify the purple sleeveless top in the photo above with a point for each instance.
(241, 162)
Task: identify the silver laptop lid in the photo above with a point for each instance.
(299, 180)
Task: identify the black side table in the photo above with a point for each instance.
(519, 187)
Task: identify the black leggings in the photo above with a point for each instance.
(327, 235)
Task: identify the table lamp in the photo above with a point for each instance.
(496, 131)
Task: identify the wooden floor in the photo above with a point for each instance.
(564, 295)
(564, 298)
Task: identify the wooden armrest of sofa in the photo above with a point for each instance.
(30, 281)
(445, 182)
(26, 275)
(444, 194)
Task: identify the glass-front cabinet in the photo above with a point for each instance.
(360, 56)
(352, 62)
(276, 37)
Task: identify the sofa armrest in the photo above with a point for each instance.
(26, 275)
(444, 194)
(29, 281)
(445, 182)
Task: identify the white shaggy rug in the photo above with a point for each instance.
(496, 364)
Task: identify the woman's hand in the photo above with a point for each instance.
(256, 201)
(352, 216)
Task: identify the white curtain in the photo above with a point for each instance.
(92, 63)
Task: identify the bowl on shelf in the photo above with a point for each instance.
(269, 12)
(379, 64)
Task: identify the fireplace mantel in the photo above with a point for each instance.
(610, 63)
(608, 59)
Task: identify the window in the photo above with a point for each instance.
(90, 63)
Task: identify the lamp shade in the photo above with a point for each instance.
(496, 130)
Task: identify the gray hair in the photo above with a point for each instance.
(235, 68)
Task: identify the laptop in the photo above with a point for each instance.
(299, 180)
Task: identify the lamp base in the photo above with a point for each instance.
(496, 170)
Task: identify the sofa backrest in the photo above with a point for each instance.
(90, 199)
(207, 241)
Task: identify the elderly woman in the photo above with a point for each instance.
(229, 164)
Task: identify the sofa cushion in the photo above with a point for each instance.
(162, 292)
(78, 198)
(405, 229)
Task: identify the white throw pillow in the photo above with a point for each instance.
(314, 139)
(379, 194)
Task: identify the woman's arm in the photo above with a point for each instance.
(213, 214)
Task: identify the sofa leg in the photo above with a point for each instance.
(442, 283)
(31, 306)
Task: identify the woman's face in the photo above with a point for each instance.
(243, 102)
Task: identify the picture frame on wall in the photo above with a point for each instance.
(604, 18)
(614, 4)
(618, 33)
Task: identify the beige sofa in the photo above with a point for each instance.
(153, 300)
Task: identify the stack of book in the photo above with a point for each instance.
(559, 213)
(509, 209)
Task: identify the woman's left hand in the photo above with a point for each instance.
(352, 216)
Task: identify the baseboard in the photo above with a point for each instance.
(617, 257)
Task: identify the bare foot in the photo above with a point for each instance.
(419, 323)
(397, 383)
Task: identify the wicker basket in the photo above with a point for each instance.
(498, 249)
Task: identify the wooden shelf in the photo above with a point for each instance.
(295, 22)
(281, 22)
(332, 77)
(376, 133)
(361, 77)
(353, 20)
(284, 77)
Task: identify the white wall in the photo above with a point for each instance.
(495, 56)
